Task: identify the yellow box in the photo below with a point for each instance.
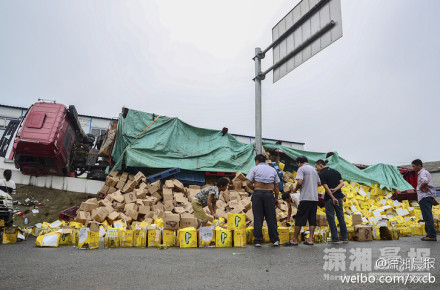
(188, 238)
(2, 223)
(250, 235)
(154, 238)
(207, 232)
(88, 239)
(240, 238)
(169, 238)
(284, 235)
(111, 239)
(126, 238)
(223, 237)
(266, 238)
(236, 221)
(140, 238)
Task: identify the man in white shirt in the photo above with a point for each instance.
(308, 180)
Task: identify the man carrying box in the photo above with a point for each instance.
(208, 197)
(264, 180)
(425, 195)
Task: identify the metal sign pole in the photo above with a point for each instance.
(258, 121)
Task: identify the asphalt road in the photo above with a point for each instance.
(24, 266)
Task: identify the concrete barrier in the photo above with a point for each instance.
(55, 182)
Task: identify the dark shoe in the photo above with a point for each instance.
(429, 239)
(289, 243)
(334, 242)
(307, 243)
(344, 241)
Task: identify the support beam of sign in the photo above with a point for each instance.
(308, 28)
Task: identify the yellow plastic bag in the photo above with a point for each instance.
(48, 240)
(111, 239)
(206, 236)
(240, 238)
(223, 237)
(140, 238)
(188, 238)
(10, 235)
(125, 238)
(236, 221)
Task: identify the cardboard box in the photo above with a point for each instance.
(157, 196)
(178, 185)
(113, 216)
(131, 206)
(363, 233)
(168, 205)
(117, 196)
(100, 214)
(104, 189)
(169, 184)
(120, 184)
(167, 196)
(154, 188)
(124, 176)
(356, 219)
(238, 184)
(240, 176)
(132, 213)
(88, 206)
(138, 177)
(321, 220)
(83, 216)
(144, 209)
(179, 210)
(141, 193)
(189, 222)
(130, 197)
(129, 186)
(171, 222)
(110, 181)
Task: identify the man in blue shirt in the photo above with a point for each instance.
(264, 180)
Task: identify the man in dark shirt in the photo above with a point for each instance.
(332, 181)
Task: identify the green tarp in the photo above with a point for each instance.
(169, 142)
(383, 174)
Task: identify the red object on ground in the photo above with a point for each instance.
(69, 214)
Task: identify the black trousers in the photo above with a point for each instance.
(263, 206)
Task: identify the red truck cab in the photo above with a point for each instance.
(45, 141)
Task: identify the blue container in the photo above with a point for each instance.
(191, 177)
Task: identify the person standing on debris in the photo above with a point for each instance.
(425, 195)
(332, 181)
(7, 185)
(264, 180)
(208, 196)
(308, 180)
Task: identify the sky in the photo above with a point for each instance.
(373, 95)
